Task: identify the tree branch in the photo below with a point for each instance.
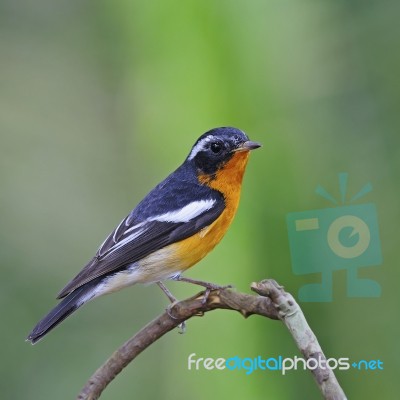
(291, 315)
(273, 303)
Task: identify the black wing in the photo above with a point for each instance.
(134, 239)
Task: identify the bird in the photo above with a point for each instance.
(176, 225)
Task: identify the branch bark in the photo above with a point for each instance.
(273, 302)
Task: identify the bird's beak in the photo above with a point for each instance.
(248, 145)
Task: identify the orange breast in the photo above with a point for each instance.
(228, 181)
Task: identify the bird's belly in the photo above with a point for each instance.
(191, 250)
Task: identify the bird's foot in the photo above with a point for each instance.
(207, 285)
(173, 300)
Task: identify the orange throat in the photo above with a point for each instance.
(228, 180)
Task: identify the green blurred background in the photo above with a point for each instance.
(100, 100)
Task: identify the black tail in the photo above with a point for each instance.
(65, 308)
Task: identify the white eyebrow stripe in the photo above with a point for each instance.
(200, 146)
(185, 214)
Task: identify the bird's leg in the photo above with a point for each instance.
(172, 299)
(208, 285)
(168, 293)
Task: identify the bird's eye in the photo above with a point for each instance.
(216, 147)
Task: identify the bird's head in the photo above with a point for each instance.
(215, 148)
